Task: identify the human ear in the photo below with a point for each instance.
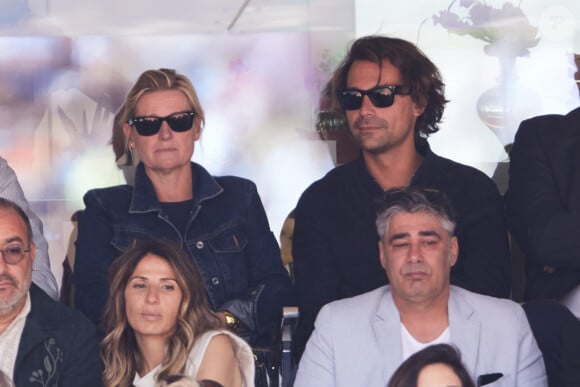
(382, 255)
(454, 251)
(419, 106)
(196, 128)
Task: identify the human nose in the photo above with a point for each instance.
(366, 107)
(415, 254)
(165, 131)
(152, 296)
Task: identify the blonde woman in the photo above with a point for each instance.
(158, 323)
(218, 220)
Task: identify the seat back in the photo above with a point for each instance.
(67, 294)
(289, 313)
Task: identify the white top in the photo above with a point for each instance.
(572, 301)
(411, 345)
(10, 339)
(242, 351)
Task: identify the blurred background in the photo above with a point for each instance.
(259, 67)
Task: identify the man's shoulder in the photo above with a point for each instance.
(53, 315)
(574, 115)
(59, 341)
(550, 132)
(450, 176)
(485, 306)
(359, 305)
(341, 177)
(336, 176)
(448, 164)
(3, 163)
(543, 124)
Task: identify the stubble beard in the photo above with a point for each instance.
(18, 297)
(382, 140)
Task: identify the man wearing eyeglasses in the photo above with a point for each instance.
(41, 272)
(392, 96)
(42, 342)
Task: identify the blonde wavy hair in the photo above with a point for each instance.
(149, 81)
(119, 350)
(156, 80)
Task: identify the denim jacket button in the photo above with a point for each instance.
(199, 245)
(215, 280)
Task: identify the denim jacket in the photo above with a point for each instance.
(227, 235)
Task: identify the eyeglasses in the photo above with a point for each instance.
(380, 96)
(150, 125)
(13, 254)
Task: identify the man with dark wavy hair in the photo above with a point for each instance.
(393, 98)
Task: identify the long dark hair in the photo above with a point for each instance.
(408, 372)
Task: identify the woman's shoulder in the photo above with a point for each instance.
(222, 186)
(220, 343)
(109, 194)
(225, 346)
(206, 177)
(111, 201)
(229, 181)
(220, 338)
(234, 189)
(112, 190)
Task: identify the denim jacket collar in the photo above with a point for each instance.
(144, 198)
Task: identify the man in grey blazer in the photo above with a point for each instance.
(360, 341)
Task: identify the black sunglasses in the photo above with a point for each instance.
(150, 125)
(380, 96)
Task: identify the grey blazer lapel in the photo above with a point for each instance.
(464, 329)
(387, 331)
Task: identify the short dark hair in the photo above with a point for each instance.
(412, 200)
(417, 71)
(408, 372)
(9, 204)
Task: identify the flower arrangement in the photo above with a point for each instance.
(505, 29)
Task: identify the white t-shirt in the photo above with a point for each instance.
(572, 301)
(410, 345)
